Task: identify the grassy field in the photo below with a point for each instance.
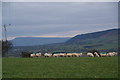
(82, 67)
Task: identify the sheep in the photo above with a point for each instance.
(62, 55)
(32, 55)
(110, 54)
(90, 54)
(76, 54)
(103, 55)
(69, 55)
(55, 55)
(47, 55)
(65, 54)
(59, 55)
(38, 54)
(80, 54)
(115, 53)
(96, 54)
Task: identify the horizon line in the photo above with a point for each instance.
(54, 36)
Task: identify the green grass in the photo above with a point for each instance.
(82, 67)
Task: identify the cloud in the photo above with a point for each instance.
(57, 19)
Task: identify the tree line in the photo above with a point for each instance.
(6, 46)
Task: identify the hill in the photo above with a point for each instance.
(103, 41)
(80, 39)
(31, 41)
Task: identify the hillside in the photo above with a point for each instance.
(31, 41)
(103, 41)
(81, 39)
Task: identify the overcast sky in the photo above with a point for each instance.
(60, 19)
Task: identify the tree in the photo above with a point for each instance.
(6, 45)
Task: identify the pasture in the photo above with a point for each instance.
(69, 67)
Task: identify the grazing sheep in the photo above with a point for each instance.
(96, 54)
(32, 55)
(115, 53)
(69, 55)
(110, 54)
(47, 55)
(38, 55)
(90, 54)
(65, 54)
(76, 54)
(61, 55)
(103, 55)
(80, 54)
(55, 55)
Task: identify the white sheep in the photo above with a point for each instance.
(76, 54)
(115, 53)
(90, 55)
(55, 55)
(96, 54)
(32, 55)
(103, 55)
(62, 55)
(47, 55)
(38, 54)
(110, 54)
(80, 54)
(69, 55)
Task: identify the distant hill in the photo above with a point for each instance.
(107, 39)
(31, 41)
(103, 41)
(95, 36)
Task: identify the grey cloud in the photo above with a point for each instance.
(45, 18)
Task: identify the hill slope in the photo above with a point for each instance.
(98, 40)
(79, 39)
(31, 41)
(103, 41)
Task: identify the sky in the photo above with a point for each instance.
(0, 21)
(58, 19)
